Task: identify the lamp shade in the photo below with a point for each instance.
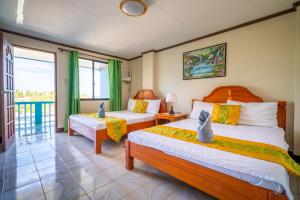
(171, 98)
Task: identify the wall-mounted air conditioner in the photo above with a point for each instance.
(126, 75)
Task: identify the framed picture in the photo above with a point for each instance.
(207, 62)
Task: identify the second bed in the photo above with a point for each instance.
(96, 130)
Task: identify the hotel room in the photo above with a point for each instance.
(150, 99)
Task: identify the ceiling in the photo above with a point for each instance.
(100, 26)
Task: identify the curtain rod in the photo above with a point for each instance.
(67, 50)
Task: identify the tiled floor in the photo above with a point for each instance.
(62, 167)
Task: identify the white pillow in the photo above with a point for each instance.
(153, 106)
(198, 106)
(257, 114)
(130, 105)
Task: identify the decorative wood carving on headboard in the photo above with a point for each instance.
(145, 94)
(239, 93)
(149, 95)
(235, 93)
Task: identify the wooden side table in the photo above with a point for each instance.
(171, 118)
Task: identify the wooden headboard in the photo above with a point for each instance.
(149, 95)
(239, 93)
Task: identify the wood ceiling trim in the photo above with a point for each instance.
(60, 44)
(284, 12)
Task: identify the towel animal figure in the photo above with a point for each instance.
(205, 133)
(101, 112)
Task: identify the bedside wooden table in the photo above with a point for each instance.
(171, 118)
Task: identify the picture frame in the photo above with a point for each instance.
(208, 62)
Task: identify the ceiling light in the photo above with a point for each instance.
(20, 15)
(133, 7)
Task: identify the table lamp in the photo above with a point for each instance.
(171, 98)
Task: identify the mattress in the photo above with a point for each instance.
(258, 172)
(130, 117)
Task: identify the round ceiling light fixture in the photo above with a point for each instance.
(133, 8)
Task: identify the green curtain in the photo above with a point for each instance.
(115, 85)
(73, 96)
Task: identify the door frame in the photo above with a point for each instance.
(8, 104)
(55, 77)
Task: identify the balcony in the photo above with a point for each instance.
(34, 118)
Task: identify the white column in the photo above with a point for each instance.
(297, 86)
(149, 65)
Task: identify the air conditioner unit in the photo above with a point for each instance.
(126, 75)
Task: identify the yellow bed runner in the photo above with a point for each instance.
(242, 147)
(116, 127)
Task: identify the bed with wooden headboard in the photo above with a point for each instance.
(101, 134)
(214, 183)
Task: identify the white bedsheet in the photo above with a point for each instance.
(257, 172)
(130, 117)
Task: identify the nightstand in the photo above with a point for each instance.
(169, 117)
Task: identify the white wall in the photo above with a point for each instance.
(297, 86)
(149, 63)
(259, 57)
(62, 63)
(137, 73)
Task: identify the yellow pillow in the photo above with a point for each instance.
(140, 106)
(226, 114)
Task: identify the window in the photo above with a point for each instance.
(93, 79)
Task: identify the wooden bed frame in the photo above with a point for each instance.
(214, 183)
(100, 135)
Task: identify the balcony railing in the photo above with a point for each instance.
(34, 117)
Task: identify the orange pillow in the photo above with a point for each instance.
(140, 106)
(226, 114)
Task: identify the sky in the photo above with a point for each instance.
(33, 75)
